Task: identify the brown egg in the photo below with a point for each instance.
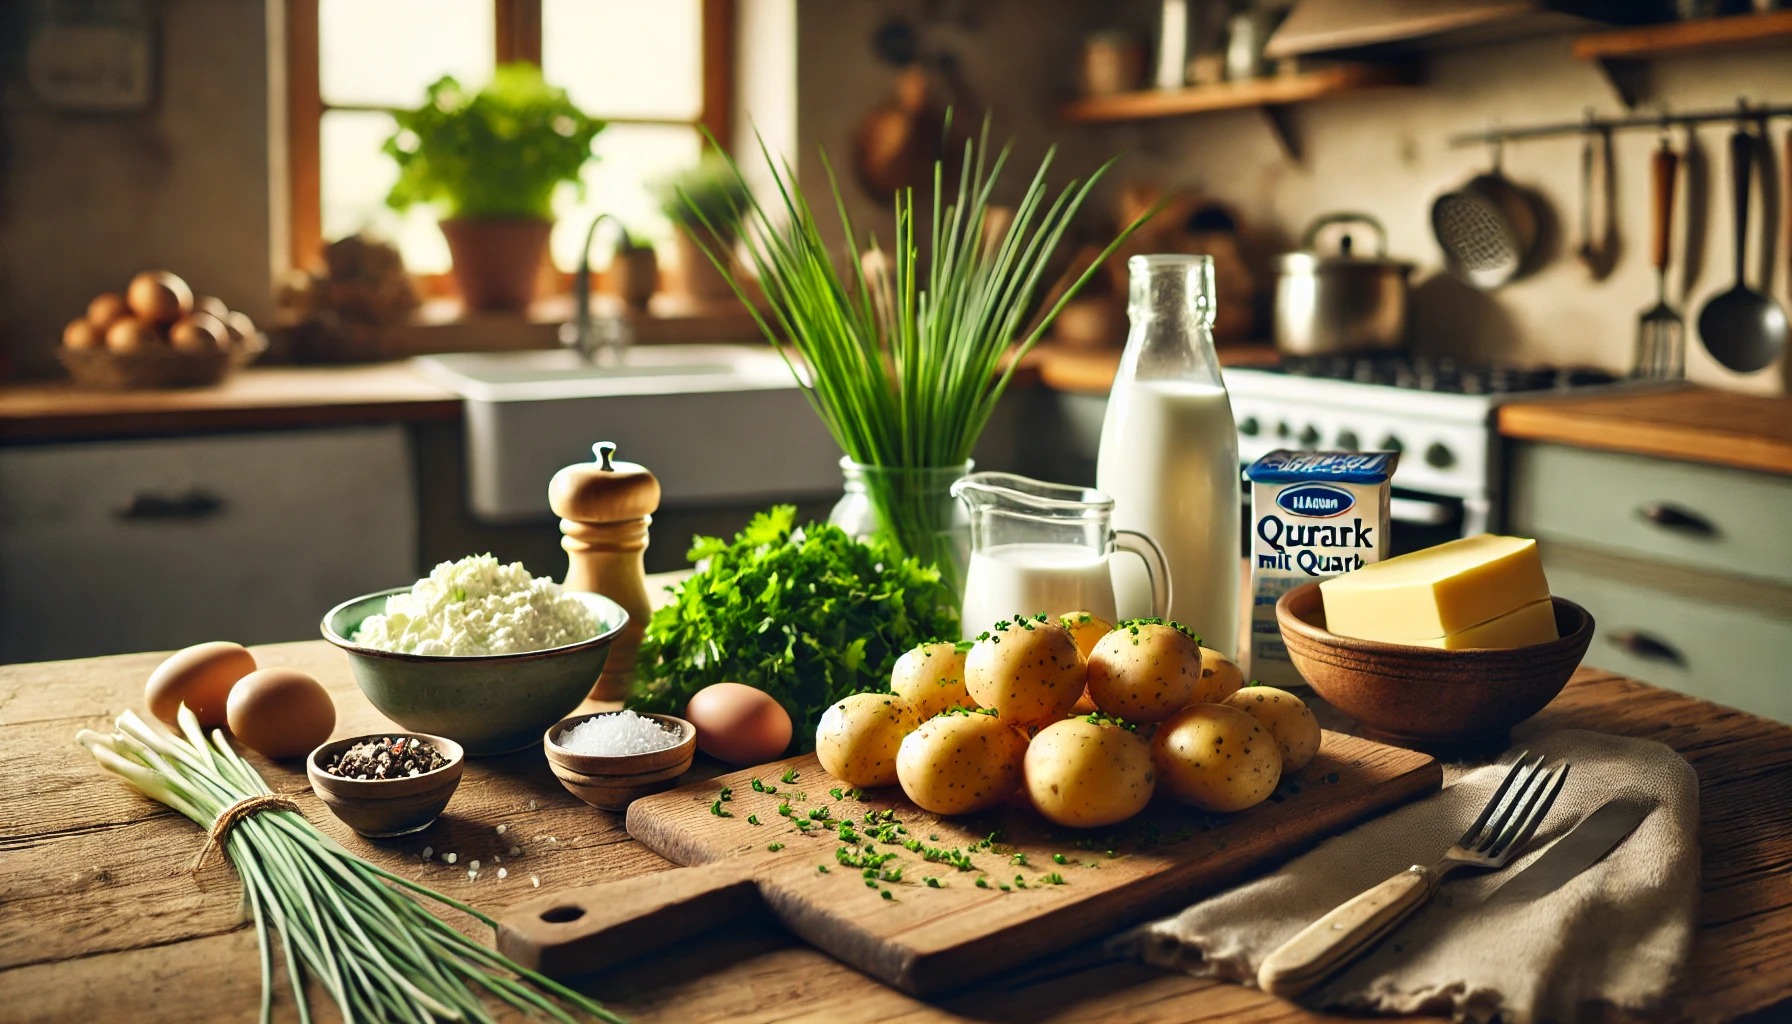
(131, 335)
(211, 304)
(159, 297)
(281, 712)
(80, 333)
(198, 331)
(241, 328)
(738, 724)
(107, 308)
(200, 677)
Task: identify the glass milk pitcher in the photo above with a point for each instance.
(1039, 547)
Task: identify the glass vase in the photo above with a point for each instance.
(912, 507)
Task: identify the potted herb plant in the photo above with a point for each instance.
(907, 352)
(490, 161)
(708, 193)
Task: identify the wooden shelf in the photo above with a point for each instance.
(1276, 90)
(1272, 95)
(1744, 31)
(1622, 54)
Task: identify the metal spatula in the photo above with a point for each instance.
(1661, 333)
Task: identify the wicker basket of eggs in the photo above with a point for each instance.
(157, 335)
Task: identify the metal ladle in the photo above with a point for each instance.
(1743, 329)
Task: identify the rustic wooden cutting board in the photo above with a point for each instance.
(923, 939)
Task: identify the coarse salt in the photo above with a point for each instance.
(612, 735)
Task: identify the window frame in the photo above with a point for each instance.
(516, 36)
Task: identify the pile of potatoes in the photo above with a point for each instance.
(1087, 719)
(158, 311)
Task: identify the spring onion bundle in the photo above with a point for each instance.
(358, 929)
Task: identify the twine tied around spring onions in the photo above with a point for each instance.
(229, 816)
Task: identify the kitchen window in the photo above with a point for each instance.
(655, 72)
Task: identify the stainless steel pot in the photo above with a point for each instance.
(1330, 304)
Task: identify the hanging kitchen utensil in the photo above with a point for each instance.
(1587, 251)
(1695, 185)
(1344, 302)
(1487, 228)
(1598, 232)
(1661, 333)
(1743, 329)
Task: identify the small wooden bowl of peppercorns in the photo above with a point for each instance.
(387, 784)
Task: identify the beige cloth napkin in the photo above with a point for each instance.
(1614, 934)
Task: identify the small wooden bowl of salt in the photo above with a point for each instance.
(610, 758)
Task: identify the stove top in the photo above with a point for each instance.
(1440, 374)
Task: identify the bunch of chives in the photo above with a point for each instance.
(354, 927)
(905, 366)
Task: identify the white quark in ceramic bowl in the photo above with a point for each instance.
(478, 652)
(477, 607)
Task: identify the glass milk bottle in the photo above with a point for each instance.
(1169, 450)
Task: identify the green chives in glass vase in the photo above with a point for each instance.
(905, 352)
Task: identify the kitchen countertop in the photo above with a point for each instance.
(1696, 424)
(258, 397)
(1091, 371)
(103, 922)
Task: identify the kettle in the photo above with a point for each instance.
(1344, 302)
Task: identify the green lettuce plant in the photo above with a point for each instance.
(497, 153)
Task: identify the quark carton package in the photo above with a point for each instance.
(1314, 515)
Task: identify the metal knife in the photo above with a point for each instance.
(1596, 835)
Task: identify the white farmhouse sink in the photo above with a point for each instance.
(718, 424)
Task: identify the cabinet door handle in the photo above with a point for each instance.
(1642, 645)
(193, 505)
(1671, 518)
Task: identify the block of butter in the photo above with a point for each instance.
(1535, 623)
(1437, 592)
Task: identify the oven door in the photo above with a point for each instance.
(1422, 520)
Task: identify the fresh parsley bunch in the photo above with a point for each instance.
(809, 616)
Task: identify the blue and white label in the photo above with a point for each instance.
(1319, 501)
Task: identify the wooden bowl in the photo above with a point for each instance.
(382, 808)
(1425, 698)
(612, 783)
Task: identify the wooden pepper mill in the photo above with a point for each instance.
(605, 508)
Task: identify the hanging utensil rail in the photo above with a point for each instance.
(1741, 112)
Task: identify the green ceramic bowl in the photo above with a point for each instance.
(488, 704)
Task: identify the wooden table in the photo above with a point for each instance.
(99, 920)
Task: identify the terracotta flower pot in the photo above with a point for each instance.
(698, 276)
(635, 276)
(495, 261)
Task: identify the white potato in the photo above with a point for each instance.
(1289, 721)
(1220, 678)
(1086, 774)
(961, 762)
(931, 678)
(1144, 671)
(1216, 758)
(1028, 671)
(1086, 628)
(857, 739)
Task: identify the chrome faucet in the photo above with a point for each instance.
(599, 339)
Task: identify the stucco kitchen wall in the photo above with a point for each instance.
(87, 201)
(1388, 154)
(1017, 58)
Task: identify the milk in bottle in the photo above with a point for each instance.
(1169, 450)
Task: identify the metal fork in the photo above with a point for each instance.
(1352, 929)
